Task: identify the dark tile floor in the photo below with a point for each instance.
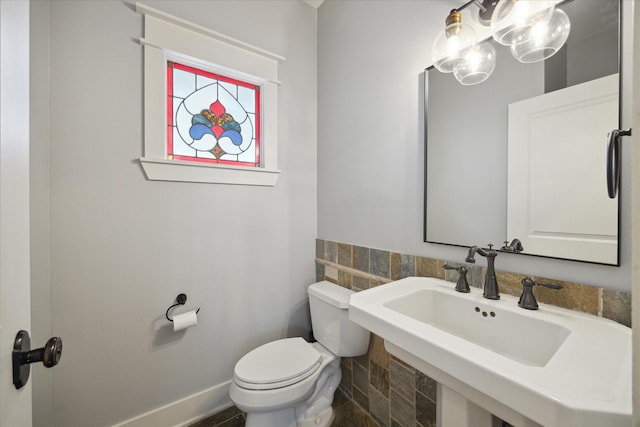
(347, 414)
(232, 417)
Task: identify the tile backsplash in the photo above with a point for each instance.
(393, 393)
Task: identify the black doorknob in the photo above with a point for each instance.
(23, 356)
(51, 352)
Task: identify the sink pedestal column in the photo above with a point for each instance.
(464, 407)
(454, 410)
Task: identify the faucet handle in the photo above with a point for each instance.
(527, 299)
(461, 285)
(515, 246)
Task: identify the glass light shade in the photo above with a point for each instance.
(448, 48)
(512, 19)
(544, 39)
(479, 63)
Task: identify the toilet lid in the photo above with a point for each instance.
(277, 364)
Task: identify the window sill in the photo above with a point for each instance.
(176, 170)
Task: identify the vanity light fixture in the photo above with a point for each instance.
(512, 20)
(450, 45)
(533, 29)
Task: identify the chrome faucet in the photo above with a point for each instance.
(491, 290)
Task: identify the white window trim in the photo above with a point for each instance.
(167, 37)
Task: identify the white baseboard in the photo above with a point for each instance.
(185, 411)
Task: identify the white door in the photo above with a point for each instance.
(15, 314)
(553, 151)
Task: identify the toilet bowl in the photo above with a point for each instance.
(291, 382)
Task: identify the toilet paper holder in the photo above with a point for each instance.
(181, 299)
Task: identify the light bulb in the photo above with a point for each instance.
(521, 13)
(512, 19)
(479, 62)
(543, 39)
(449, 45)
(473, 60)
(453, 45)
(538, 33)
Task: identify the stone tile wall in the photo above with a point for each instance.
(393, 393)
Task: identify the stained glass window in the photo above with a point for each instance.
(211, 118)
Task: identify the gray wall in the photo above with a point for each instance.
(122, 247)
(371, 138)
(580, 64)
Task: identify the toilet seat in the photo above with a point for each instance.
(277, 364)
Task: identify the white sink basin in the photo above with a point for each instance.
(525, 339)
(553, 367)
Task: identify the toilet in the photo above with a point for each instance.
(290, 382)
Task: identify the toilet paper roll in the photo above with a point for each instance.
(185, 320)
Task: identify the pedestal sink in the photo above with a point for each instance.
(551, 367)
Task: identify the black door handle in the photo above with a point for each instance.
(23, 356)
(613, 160)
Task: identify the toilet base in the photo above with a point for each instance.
(323, 419)
(287, 418)
(284, 417)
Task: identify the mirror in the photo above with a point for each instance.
(522, 155)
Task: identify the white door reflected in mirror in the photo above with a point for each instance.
(557, 203)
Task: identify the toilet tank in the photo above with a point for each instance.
(330, 320)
